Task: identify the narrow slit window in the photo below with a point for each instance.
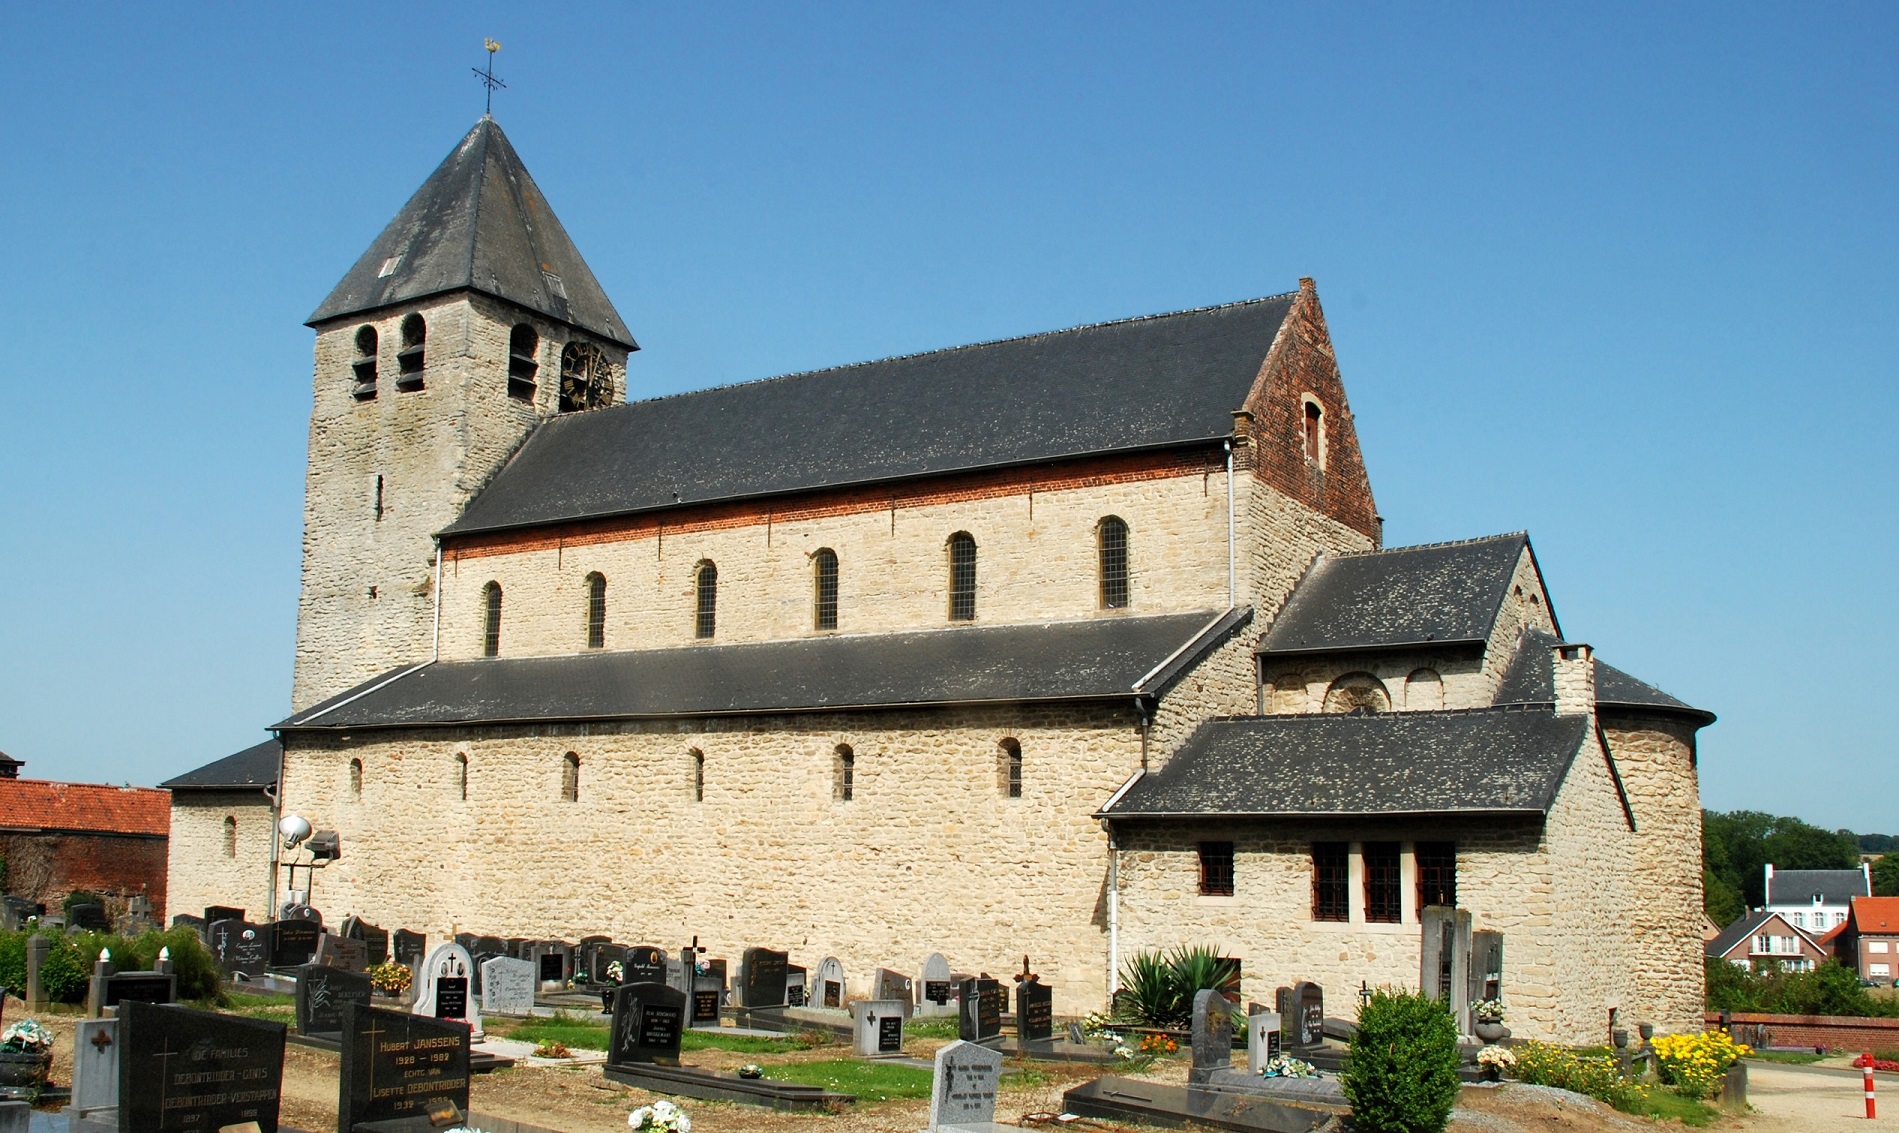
(1331, 881)
(1383, 885)
(1437, 874)
(706, 587)
(524, 344)
(363, 370)
(1112, 543)
(491, 620)
(570, 778)
(230, 836)
(824, 579)
(355, 778)
(1011, 769)
(962, 556)
(415, 335)
(596, 611)
(845, 774)
(379, 497)
(1315, 433)
(698, 776)
(1216, 869)
(461, 775)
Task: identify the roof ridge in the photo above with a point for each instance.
(1517, 706)
(941, 350)
(1426, 546)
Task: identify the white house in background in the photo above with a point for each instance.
(1815, 900)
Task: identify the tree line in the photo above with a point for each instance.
(1736, 845)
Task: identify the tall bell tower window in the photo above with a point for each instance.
(415, 335)
(364, 368)
(962, 589)
(524, 345)
(1111, 539)
(705, 619)
(491, 620)
(824, 583)
(596, 610)
(586, 378)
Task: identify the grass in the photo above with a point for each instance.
(582, 1033)
(276, 1008)
(1664, 1103)
(737, 1044)
(939, 1027)
(869, 1081)
(1791, 1057)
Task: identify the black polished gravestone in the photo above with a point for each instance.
(1034, 1011)
(241, 948)
(1302, 1008)
(215, 913)
(649, 1022)
(181, 1069)
(981, 1018)
(375, 939)
(644, 964)
(293, 942)
(410, 947)
(140, 987)
(762, 977)
(88, 917)
(397, 1065)
(321, 993)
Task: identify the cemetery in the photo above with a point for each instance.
(225, 1023)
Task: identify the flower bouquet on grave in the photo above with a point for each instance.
(751, 1070)
(26, 1037)
(1488, 1010)
(26, 1057)
(1286, 1066)
(616, 972)
(660, 1117)
(390, 979)
(1496, 1061)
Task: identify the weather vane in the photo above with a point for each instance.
(488, 77)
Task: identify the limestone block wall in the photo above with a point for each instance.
(220, 852)
(1279, 537)
(385, 474)
(1222, 684)
(1296, 685)
(1037, 560)
(929, 855)
(1526, 606)
(1656, 757)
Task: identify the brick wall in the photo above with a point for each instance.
(1834, 1032)
(47, 866)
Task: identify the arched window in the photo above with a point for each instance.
(230, 836)
(1357, 693)
(962, 590)
(355, 778)
(1424, 691)
(461, 773)
(698, 776)
(1315, 433)
(570, 777)
(1011, 769)
(1111, 542)
(706, 588)
(586, 377)
(596, 610)
(379, 498)
(364, 368)
(844, 774)
(415, 336)
(524, 346)
(491, 620)
(824, 583)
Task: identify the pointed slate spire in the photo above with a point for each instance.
(479, 223)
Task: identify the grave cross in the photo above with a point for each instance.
(100, 1040)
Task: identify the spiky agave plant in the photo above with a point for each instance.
(1149, 993)
(1197, 967)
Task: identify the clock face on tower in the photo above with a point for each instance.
(586, 378)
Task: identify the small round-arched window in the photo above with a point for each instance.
(1424, 691)
(461, 774)
(570, 777)
(355, 778)
(230, 836)
(363, 369)
(415, 336)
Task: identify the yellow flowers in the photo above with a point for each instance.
(1695, 1063)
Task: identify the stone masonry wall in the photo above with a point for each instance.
(1656, 757)
(202, 872)
(367, 601)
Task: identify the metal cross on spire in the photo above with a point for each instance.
(487, 77)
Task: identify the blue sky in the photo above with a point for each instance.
(1620, 275)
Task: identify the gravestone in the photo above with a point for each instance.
(88, 917)
(888, 984)
(293, 943)
(186, 920)
(507, 986)
(708, 992)
(963, 1090)
(644, 964)
(830, 989)
(1486, 965)
(877, 1027)
(322, 993)
(242, 948)
(1212, 1035)
(795, 986)
(342, 952)
(981, 1017)
(181, 1069)
(587, 965)
(649, 1021)
(1445, 940)
(553, 962)
(1262, 1038)
(15, 911)
(141, 987)
(447, 986)
(397, 1065)
(410, 947)
(1303, 1006)
(95, 1066)
(1034, 1011)
(38, 948)
(483, 949)
(375, 939)
(762, 976)
(215, 913)
(939, 989)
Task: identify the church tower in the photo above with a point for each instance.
(471, 319)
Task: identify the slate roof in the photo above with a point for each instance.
(1797, 886)
(1436, 594)
(88, 808)
(1530, 680)
(1101, 658)
(254, 768)
(1484, 761)
(1153, 382)
(479, 223)
(1748, 925)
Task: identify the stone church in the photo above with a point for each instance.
(1069, 645)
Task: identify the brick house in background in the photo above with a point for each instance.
(1869, 940)
(1763, 939)
(61, 837)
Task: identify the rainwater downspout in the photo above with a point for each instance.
(1232, 563)
(1114, 913)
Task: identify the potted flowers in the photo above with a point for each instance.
(1495, 1060)
(1489, 1014)
(26, 1055)
(660, 1117)
(1286, 1066)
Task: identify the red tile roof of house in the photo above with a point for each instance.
(1876, 914)
(40, 804)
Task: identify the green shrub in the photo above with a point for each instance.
(80, 897)
(13, 963)
(1401, 1075)
(1829, 989)
(67, 973)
